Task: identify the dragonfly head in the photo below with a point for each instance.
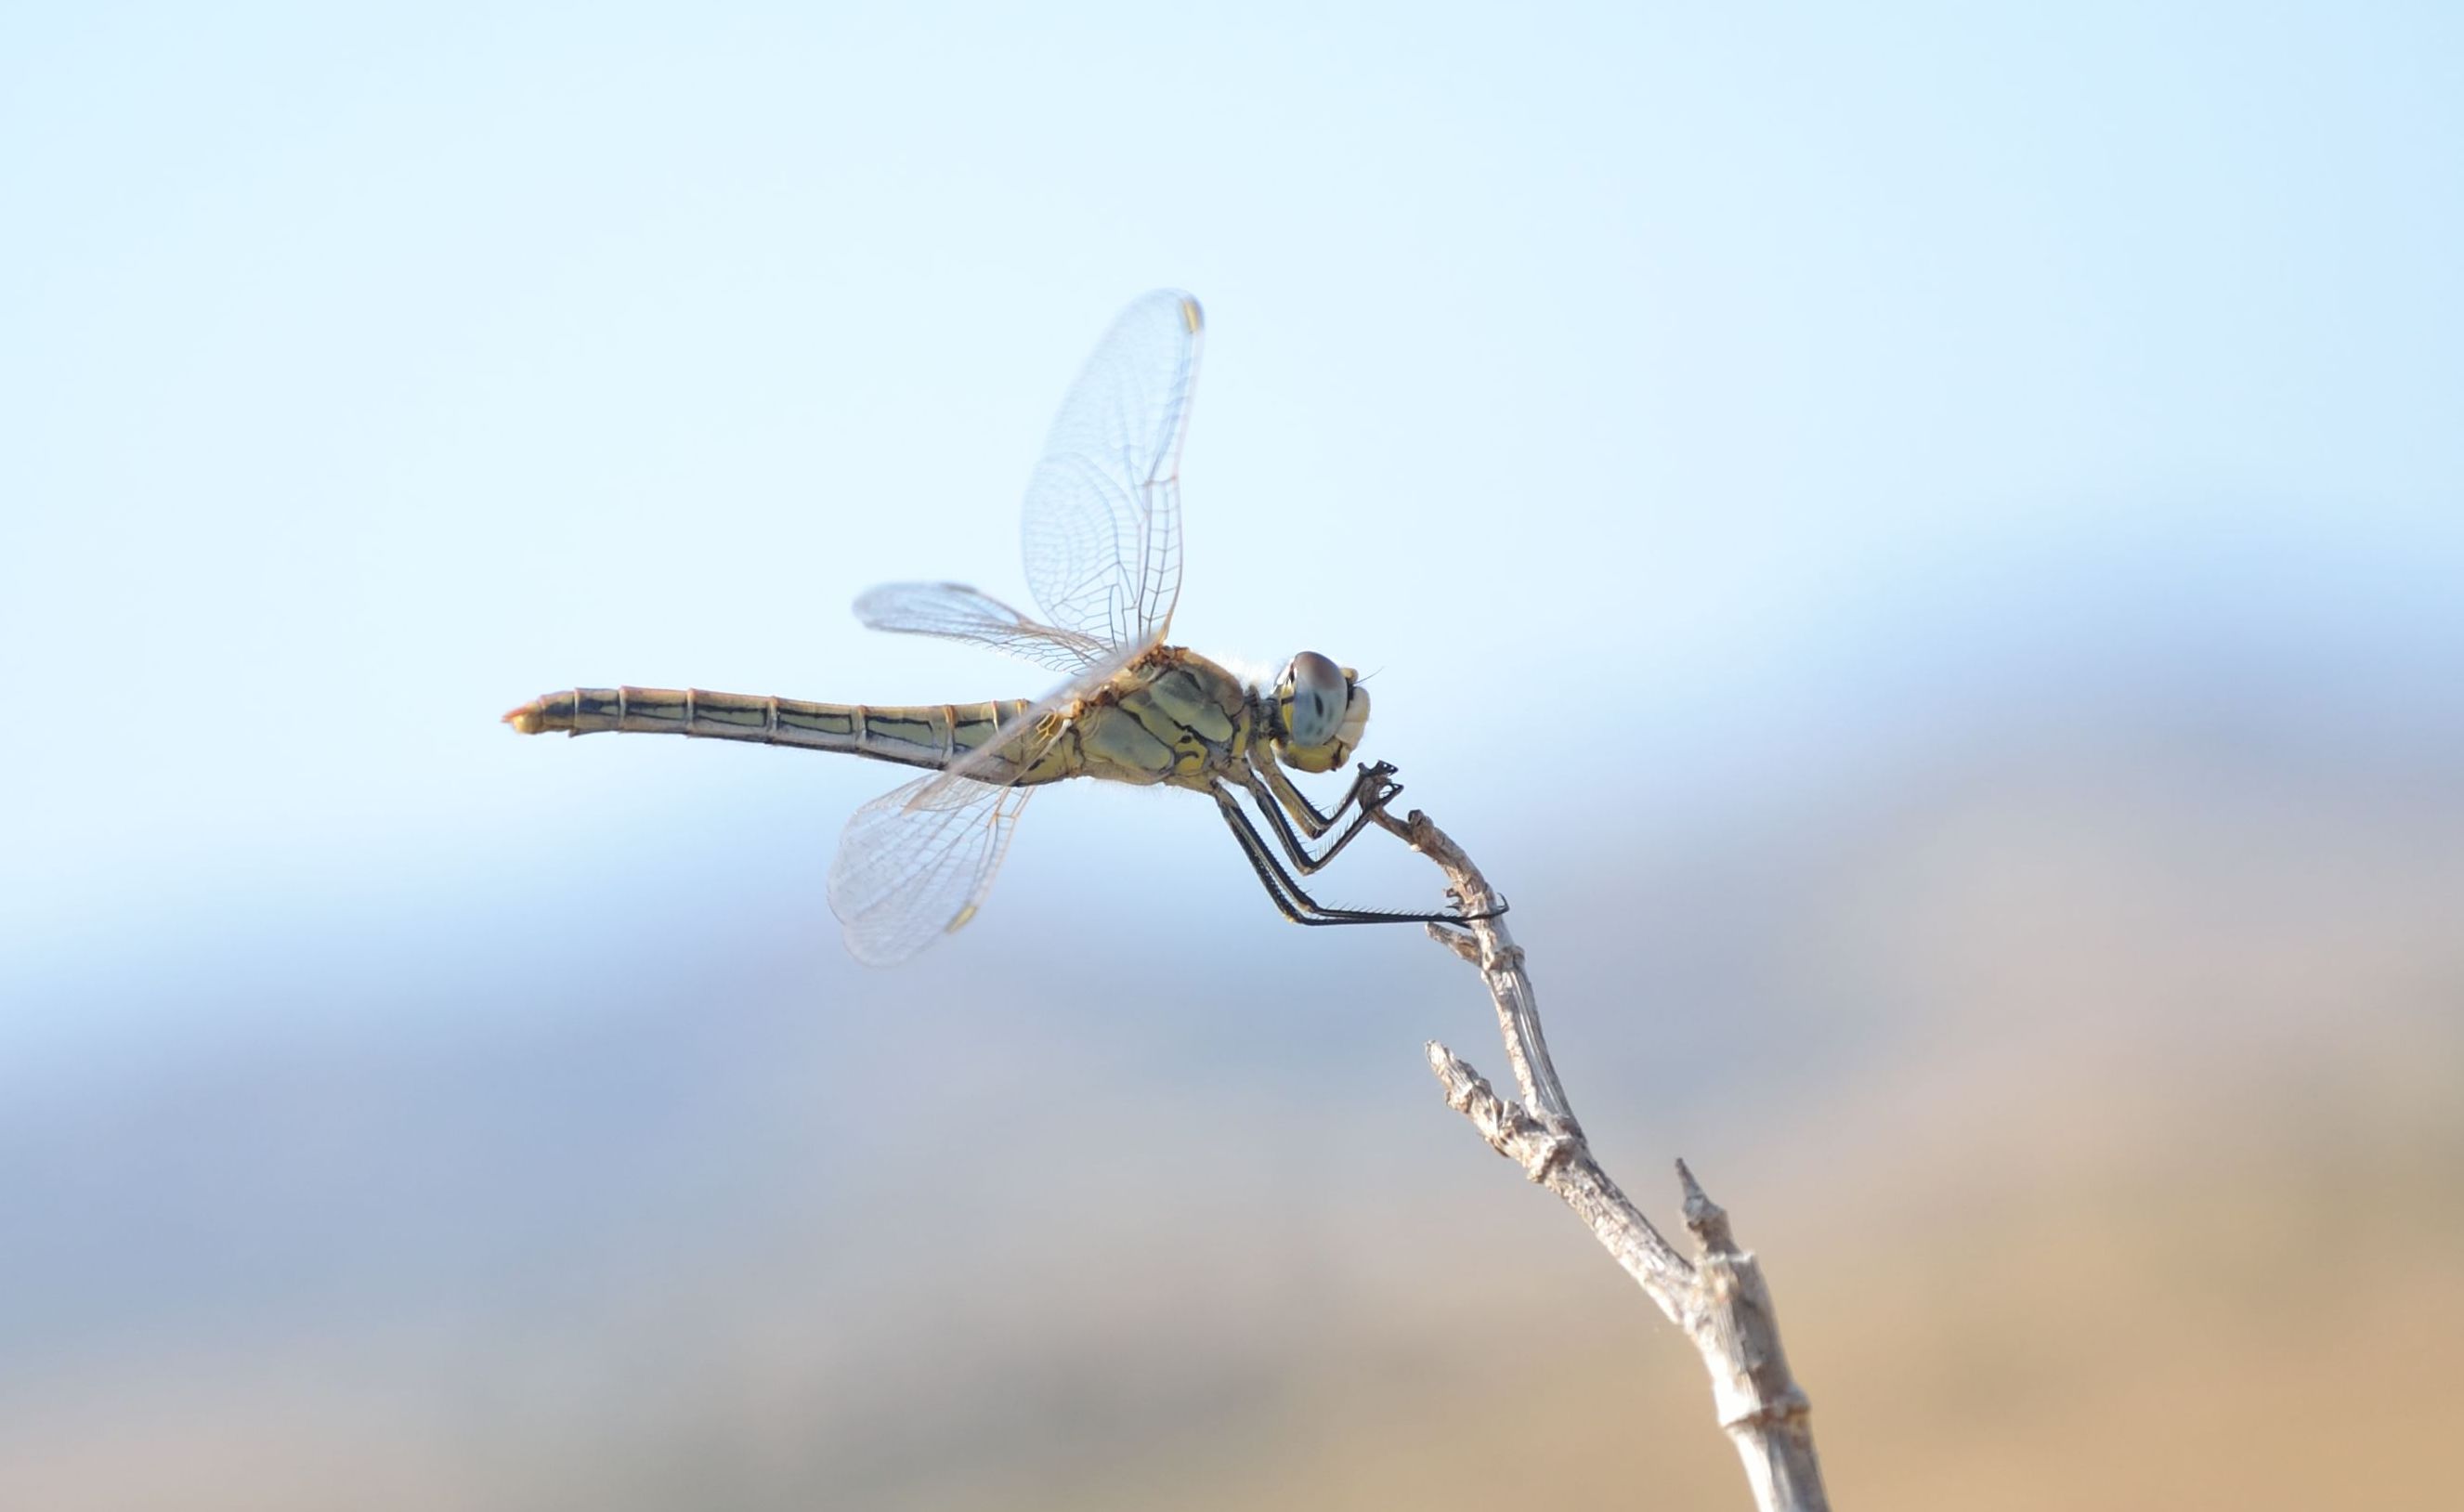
(1320, 711)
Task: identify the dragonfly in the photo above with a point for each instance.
(1102, 540)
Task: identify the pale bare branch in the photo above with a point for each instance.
(1718, 1297)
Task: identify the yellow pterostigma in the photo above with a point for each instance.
(1103, 557)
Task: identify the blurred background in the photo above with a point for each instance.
(1920, 549)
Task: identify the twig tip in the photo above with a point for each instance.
(1456, 939)
(1706, 1219)
(1466, 1088)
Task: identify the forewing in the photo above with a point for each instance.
(914, 864)
(956, 612)
(1103, 511)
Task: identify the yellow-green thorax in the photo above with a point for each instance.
(1171, 716)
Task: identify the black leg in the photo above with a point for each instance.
(1298, 906)
(1292, 844)
(1370, 788)
(1269, 875)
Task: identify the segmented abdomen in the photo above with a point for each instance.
(911, 735)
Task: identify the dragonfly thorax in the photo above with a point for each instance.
(1320, 711)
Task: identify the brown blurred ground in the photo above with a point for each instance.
(2016, 1317)
(2126, 1169)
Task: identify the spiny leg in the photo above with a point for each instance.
(1269, 875)
(1289, 900)
(1298, 849)
(1368, 789)
(1297, 904)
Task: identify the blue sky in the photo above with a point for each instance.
(1719, 381)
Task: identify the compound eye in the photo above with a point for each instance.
(1315, 696)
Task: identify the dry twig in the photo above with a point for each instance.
(1718, 1297)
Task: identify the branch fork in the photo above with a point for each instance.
(1719, 1297)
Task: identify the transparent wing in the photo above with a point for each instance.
(956, 612)
(916, 861)
(914, 864)
(1103, 511)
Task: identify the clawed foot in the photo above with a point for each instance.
(1457, 912)
(1377, 785)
